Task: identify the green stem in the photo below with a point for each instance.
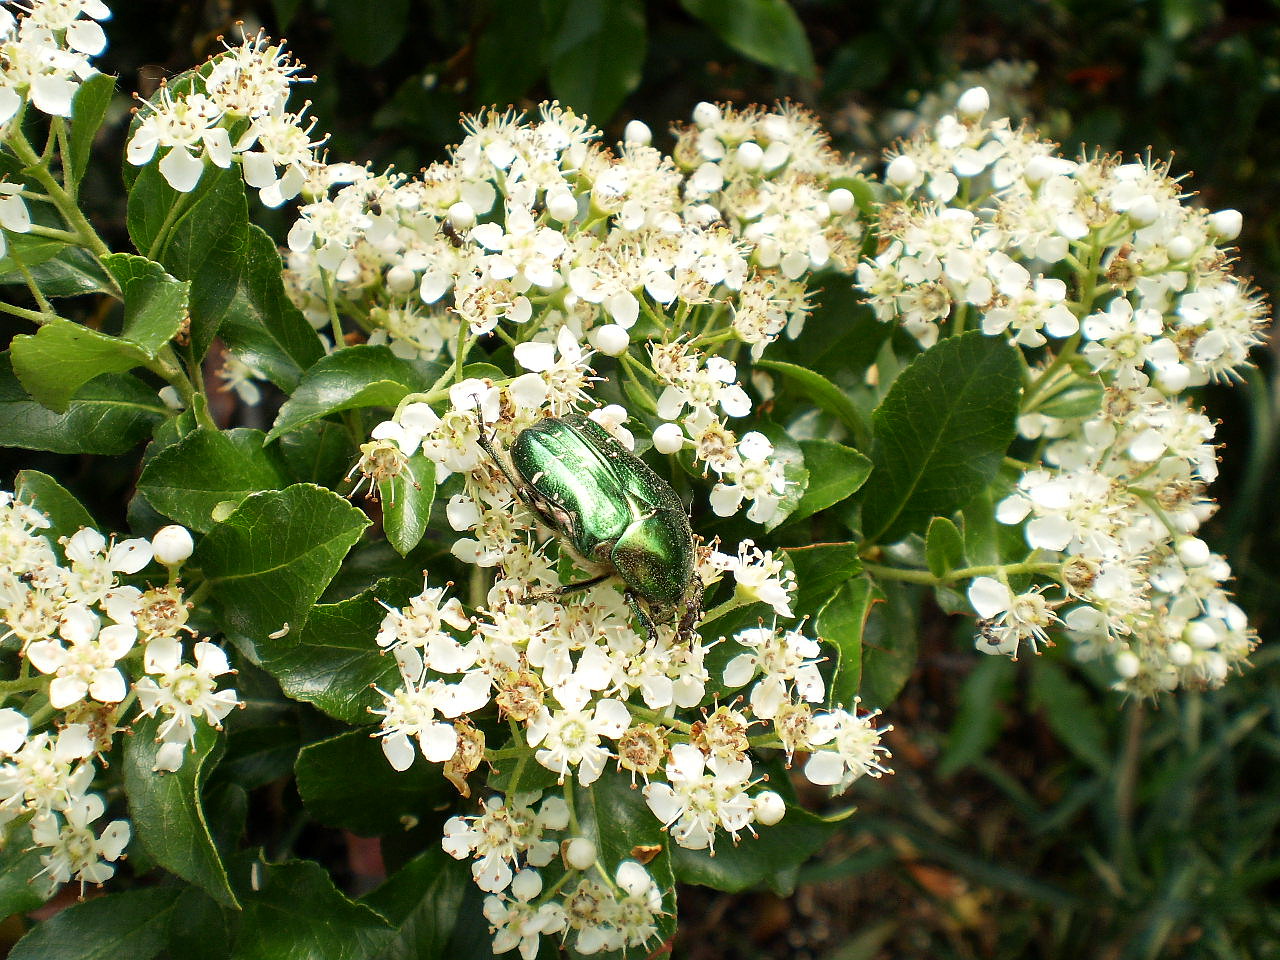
(58, 196)
(8, 687)
(966, 573)
(35, 316)
(46, 308)
(335, 322)
(52, 233)
(657, 717)
(513, 785)
(176, 210)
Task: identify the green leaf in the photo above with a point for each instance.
(787, 452)
(65, 512)
(614, 816)
(889, 644)
(201, 237)
(20, 891)
(755, 860)
(1071, 714)
(108, 415)
(88, 110)
(509, 53)
(422, 901)
(406, 503)
(940, 433)
(261, 325)
(835, 473)
(821, 570)
(369, 39)
(60, 358)
(841, 623)
(943, 547)
(271, 559)
(187, 480)
(824, 394)
(205, 930)
(67, 270)
(318, 453)
(355, 377)
(596, 52)
(980, 719)
(131, 924)
(295, 912)
(155, 304)
(766, 31)
(347, 781)
(334, 661)
(165, 808)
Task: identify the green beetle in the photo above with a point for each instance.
(616, 515)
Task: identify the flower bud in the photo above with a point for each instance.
(579, 853)
(172, 545)
(1179, 654)
(400, 279)
(1144, 211)
(1180, 248)
(461, 216)
(1199, 634)
(1226, 224)
(562, 205)
(840, 200)
(705, 114)
(770, 808)
(1193, 552)
(902, 172)
(611, 339)
(668, 438)
(973, 103)
(1127, 664)
(637, 131)
(750, 156)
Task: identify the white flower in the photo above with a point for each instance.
(702, 795)
(75, 851)
(856, 748)
(502, 835)
(189, 128)
(1008, 619)
(182, 692)
(571, 737)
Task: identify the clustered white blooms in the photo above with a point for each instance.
(86, 635)
(535, 233)
(1114, 284)
(45, 53)
(245, 89)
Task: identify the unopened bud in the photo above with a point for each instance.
(750, 156)
(705, 114)
(668, 438)
(840, 200)
(973, 103)
(611, 339)
(461, 216)
(1226, 224)
(770, 808)
(902, 172)
(172, 545)
(637, 131)
(579, 853)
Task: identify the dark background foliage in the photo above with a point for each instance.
(1034, 814)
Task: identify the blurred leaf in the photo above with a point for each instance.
(835, 473)
(60, 358)
(1071, 713)
(369, 39)
(940, 433)
(204, 930)
(980, 718)
(187, 480)
(88, 110)
(422, 901)
(509, 52)
(65, 512)
(406, 503)
(334, 661)
(595, 52)
(767, 31)
(354, 377)
(168, 819)
(272, 558)
(347, 781)
(295, 912)
(841, 623)
(155, 304)
(108, 415)
(131, 924)
(825, 394)
(943, 547)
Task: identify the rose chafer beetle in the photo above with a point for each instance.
(618, 517)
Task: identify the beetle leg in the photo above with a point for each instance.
(693, 612)
(568, 588)
(633, 601)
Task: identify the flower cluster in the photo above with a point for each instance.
(45, 53)
(1123, 297)
(534, 232)
(89, 646)
(244, 90)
